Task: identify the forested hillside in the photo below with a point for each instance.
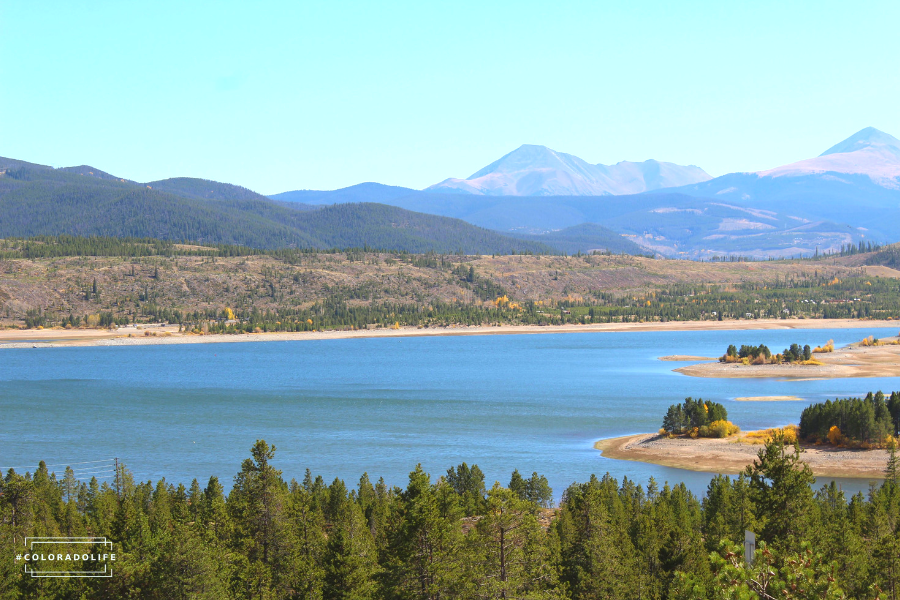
(83, 201)
(204, 189)
(452, 536)
(12, 163)
(62, 281)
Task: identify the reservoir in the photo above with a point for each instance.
(341, 407)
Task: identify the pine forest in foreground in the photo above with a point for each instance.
(455, 537)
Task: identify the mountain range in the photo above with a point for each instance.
(39, 200)
(533, 199)
(848, 193)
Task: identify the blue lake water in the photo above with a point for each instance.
(341, 407)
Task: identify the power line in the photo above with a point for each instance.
(94, 471)
(87, 462)
(109, 460)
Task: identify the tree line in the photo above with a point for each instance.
(761, 355)
(452, 537)
(873, 420)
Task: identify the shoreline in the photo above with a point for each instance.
(725, 455)
(52, 338)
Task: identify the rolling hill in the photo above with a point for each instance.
(43, 201)
(362, 192)
(204, 189)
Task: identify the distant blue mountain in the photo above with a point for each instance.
(362, 192)
(672, 224)
(669, 223)
(856, 181)
(533, 170)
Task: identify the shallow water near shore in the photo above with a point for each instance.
(342, 407)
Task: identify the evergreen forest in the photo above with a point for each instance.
(870, 421)
(86, 202)
(456, 536)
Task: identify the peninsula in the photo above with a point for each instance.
(854, 360)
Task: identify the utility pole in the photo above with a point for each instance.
(118, 494)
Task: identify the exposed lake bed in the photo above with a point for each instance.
(729, 455)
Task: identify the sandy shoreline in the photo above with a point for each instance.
(711, 455)
(854, 360)
(49, 338)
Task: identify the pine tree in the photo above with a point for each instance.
(424, 548)
(256, 509)
(506, 554)
(351, 562)
(780, 489)
(309, 526)
(517, 484)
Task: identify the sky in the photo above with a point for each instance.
(278, 96)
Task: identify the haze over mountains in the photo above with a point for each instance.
(539, 171)
(851, 192)
(848, 193)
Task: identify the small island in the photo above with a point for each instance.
(850, 437)
(870, 357)
(761, 355)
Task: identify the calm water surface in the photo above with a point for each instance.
(341, 407)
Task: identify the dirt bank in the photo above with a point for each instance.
(727, 456)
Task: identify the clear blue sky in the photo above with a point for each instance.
(278, 96)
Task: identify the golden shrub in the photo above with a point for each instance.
(790, 434)
(722, 429)
(762, 436)
(834, 435)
